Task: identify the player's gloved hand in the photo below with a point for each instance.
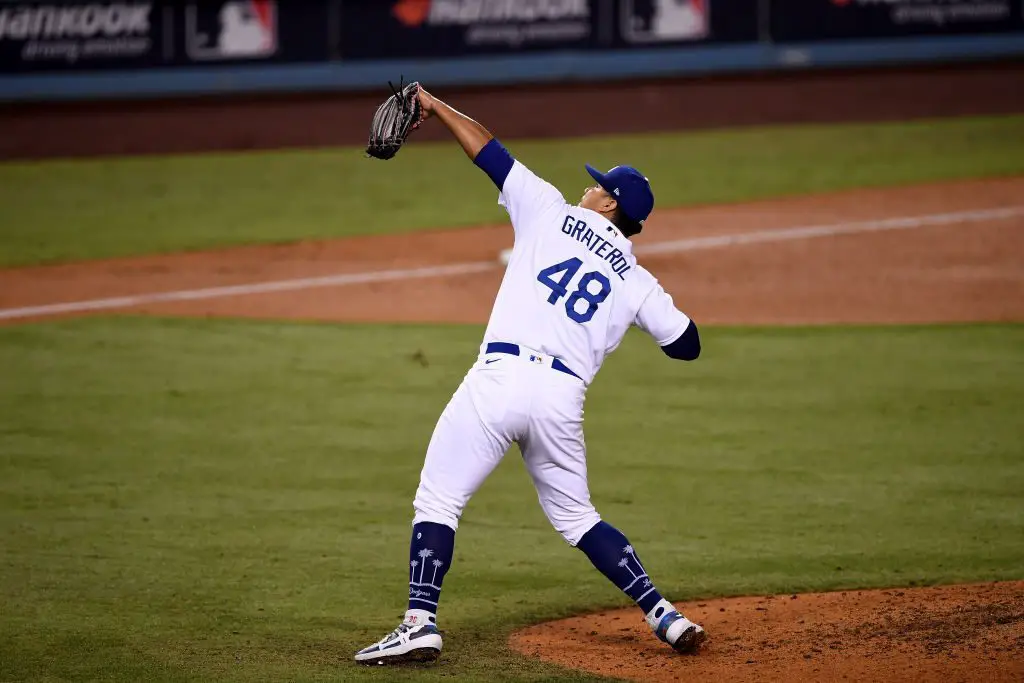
(394, 120)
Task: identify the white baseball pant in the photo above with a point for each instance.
(505, 399)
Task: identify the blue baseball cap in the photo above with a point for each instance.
(629, 187)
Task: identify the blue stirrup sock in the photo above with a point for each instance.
(612, 555)
(430, 555)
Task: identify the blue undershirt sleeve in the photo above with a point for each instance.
(495, 161)
(687, 347)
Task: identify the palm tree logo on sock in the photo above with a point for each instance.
(627, 555)
(414, 585)
(424, 591)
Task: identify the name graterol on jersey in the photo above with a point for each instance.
(579, 231)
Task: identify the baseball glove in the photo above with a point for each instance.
(395, 119)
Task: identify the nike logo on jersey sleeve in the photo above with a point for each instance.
(596, 244)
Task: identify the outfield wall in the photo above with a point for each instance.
(95, 50)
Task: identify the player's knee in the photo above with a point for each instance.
(573, 524)
(430, 507)
(437, 516)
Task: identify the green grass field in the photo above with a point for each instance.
(217, 500)
(196, 500)
(71, 210)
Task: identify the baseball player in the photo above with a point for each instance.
(571, 289)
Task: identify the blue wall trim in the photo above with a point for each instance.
(502, 70)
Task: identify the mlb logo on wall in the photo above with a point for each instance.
(662, 21)
(241, 29)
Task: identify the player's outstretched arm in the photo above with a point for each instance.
(477, 142)
(471, 135)
(523, 194)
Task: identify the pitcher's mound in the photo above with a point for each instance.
(948, 633)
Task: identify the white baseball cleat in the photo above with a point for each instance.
(407, 643)
(673, 628)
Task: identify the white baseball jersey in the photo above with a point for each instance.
(572, 286)
(571, 290)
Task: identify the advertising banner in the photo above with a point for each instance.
(381, 29)
(81, 36)
(85, 35)
(374, 29)
(806, 20)
(90, 36)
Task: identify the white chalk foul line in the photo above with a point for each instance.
(236, 290)
(692, 244)
(783, 234)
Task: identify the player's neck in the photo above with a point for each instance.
(607, 218)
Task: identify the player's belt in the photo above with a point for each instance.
(513, 350)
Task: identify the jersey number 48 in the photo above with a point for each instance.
(560, 287)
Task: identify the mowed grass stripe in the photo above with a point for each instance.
(222, 500)
(70, 210)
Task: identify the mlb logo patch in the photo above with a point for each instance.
(536, 359)
(239, 29)
(655, 21)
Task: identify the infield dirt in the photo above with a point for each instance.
(958, 272)
(949, 633)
